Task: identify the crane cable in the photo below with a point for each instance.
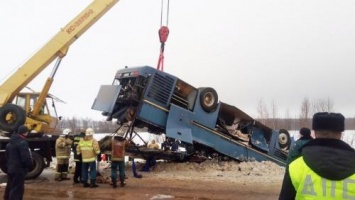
(163, 36)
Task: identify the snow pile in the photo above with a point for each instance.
(231, 170)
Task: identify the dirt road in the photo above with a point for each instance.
(170, 181)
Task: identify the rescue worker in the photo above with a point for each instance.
(296, 149)
(77, 157)
(326, 167)
(153, 145)
(150, 162)
(19, 161)
(63, 150)
(119, 145)
(88, 148)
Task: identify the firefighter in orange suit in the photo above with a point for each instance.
(88, 148)
(63, 149)
(119, 145)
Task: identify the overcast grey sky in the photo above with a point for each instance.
(278, 51)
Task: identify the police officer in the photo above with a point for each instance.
(326, 168)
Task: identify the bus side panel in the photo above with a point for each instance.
(153, 114)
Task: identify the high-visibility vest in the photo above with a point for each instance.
(309, 185)
(118, 150)
(88, 149)
(77, 138)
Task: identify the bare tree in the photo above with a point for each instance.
(74, 123)
(323, 105)
(287, 121)
(262, 112)
(274, 121)
(350, 123)
(78, 123)
(305, 113)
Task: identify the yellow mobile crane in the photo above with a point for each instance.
(31, 109)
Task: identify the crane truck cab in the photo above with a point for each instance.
(22, 110)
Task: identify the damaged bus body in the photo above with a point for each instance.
(145, 97)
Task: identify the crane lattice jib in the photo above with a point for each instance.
(54, 48)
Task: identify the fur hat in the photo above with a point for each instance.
(22, 129)
(305, 131)
(89, 132)
(328, 121)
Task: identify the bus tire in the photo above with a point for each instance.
(208, 99)
(284, 139)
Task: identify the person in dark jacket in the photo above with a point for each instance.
(326, 167)
(296, 149)
(77, 158)
(19, 161)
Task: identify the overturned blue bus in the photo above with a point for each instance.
(144, 97)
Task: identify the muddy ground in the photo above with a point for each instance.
(205, 181)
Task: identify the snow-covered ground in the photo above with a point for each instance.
(147, 137)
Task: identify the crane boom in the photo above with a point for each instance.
(31, 109)
(54, 48)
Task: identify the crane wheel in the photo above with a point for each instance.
(208, 99)
(11, 117)
(37, 168)
(284, 139)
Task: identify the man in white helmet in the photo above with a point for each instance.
(63, 149)
(88, 148)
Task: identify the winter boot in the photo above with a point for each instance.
(65, 177)
(138, 176)
(122, 182)
(114, 183)
(93, 183)
(58, 179)
(58, 176)
(76, 179)
(86, 184)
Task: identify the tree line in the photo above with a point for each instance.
(268, 115)
(75, 124)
